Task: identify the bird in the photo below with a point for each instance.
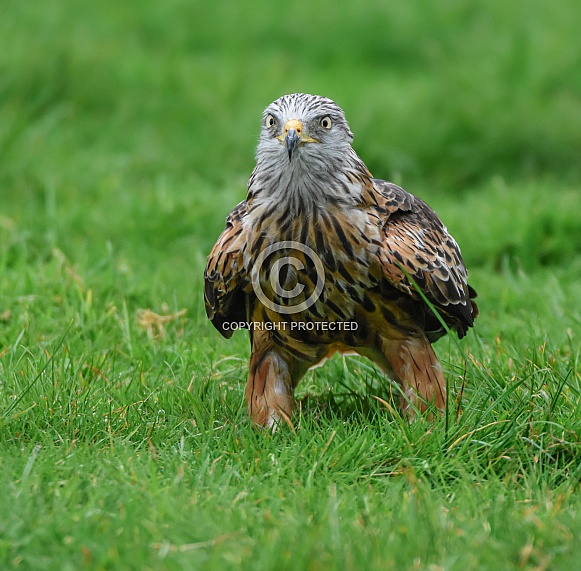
(323, 258)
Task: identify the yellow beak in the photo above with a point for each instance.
(293, 136)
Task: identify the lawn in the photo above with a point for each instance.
(127, 133)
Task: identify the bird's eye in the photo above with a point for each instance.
(325, 122)
(270, 121)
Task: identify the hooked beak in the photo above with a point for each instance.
(293, 136)
(291, 141)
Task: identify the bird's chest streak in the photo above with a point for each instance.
(311, 278)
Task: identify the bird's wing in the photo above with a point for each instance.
(225, 277)
(417, 246)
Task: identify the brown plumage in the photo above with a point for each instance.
(321, 257)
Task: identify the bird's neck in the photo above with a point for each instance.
(300, 187)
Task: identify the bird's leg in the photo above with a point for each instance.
(419, 373)
(269, 391)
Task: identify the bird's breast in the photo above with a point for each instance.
(311, 274)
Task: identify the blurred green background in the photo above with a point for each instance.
(127, 133)
(134, 119)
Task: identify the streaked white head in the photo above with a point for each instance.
(302, 121)
(304, 154)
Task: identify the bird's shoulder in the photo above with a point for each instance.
(390, 198)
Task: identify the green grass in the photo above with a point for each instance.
(127, 133)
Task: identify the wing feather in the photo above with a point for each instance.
(417, 245)
(225, 277)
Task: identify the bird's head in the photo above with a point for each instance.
(302, 128)
(304, 156)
